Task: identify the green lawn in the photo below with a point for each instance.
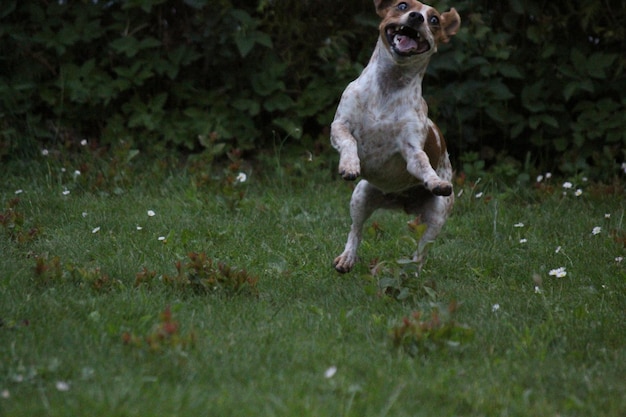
(79, 337)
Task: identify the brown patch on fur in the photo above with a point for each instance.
(435, 146)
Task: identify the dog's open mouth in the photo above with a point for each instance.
(406, 41)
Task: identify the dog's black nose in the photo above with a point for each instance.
(416, 18)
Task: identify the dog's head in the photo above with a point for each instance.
(410, 28)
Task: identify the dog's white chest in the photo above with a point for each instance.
(385, 136)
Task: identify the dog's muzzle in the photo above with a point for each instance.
(405, 40)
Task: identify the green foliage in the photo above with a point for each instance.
(528, 80)
(176, 74)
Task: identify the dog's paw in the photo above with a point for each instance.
(344, 263)
(349, 169)
(441, 188)
(349, 176)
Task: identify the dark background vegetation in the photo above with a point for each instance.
(525, 85)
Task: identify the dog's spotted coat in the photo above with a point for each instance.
(382, 130)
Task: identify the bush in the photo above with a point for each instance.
(536, 82)
(181, 74)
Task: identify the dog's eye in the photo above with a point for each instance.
(434, 20)
(402, 6)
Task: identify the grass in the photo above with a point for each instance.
(79, 337)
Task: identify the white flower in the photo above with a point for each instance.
(578, 192)
(548, 175)
(567, 185)
(607, 215)
(619, 259)
(518, 225)
(523, 240)
(537, 289)
(96, 229)
(139, 227)
(151, 213)
(19, 191)
(539, 178)
(66, 192)
(84, 214)
(478, 195)
(83, 142)
(44, 152)
(557, 250)
(162, 238)
(242, 177)
(330, 372)
(495, 307)
(62, 386)
(558, 272)
(596, 230)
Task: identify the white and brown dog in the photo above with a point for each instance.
(382, 130)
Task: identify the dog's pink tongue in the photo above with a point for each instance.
(405, 43)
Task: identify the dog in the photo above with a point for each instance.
(382, 131)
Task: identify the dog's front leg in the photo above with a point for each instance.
(345, 143)
(419, 166)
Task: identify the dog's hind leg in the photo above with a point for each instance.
(365, 200)
(434, 214)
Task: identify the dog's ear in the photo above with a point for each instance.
(450, 23)
(382, 5)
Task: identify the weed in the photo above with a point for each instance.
(165, 334)
(13, 324)
(94, 278)
(202, 275)
(13, 223)
(145, 277)
(423, 333)
(229, 185)
(50, 271)
(400, 281)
